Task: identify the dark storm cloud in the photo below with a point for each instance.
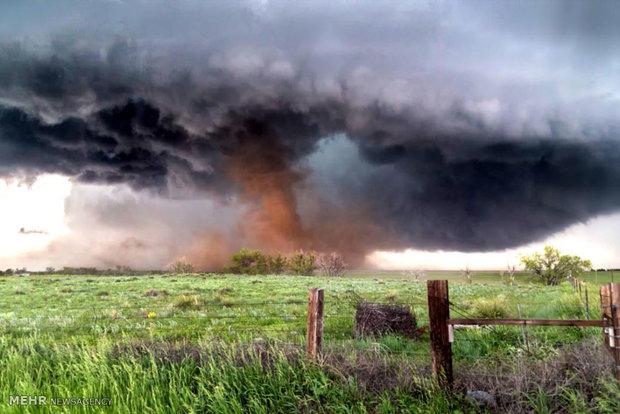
(427, 188)
(68, 75)
(469, 139)
(489, 195)
(130, 144)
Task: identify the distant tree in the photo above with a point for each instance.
(49, 270)
(182, 265)
(551, 267)
(331, 264)
(302, 263)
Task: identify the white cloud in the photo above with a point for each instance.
(37, 208)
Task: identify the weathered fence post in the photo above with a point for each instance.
(438, 315)
(614, 290)
(587, 304)
(314, 333)
(606, 311)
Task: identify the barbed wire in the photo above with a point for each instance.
(463, 312)
(98, 329)
(168, 305)
(149, 316)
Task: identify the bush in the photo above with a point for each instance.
(182, 265)
(248, 262)
(415, 275)
(509, 275)
(468, 275)
(331, 264)
(276, 264)
(255, 262)
(302, 263)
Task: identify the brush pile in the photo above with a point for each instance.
(376, 319)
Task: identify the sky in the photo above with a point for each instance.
(402, 134)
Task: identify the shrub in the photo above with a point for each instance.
(415, 275)
(468, 275)
(248, 262)
(509, 275)
(331, 264)
(276, 264)
(182, 265)
(302, 263)
(255, 262)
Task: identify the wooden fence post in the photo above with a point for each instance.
(587, 304)
(438, 315)
(614, 289)
(606, 310)
(314, 333)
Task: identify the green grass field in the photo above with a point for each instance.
(61, 336)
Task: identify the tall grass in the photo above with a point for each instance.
(246, 378)
(221, 381)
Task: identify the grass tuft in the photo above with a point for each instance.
(490, 308)
(186, 302)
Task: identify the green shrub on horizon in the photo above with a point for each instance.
(277, 264)
(248, 262)
(255, 262)
(302, 263)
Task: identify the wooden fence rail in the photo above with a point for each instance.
(530, 322)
